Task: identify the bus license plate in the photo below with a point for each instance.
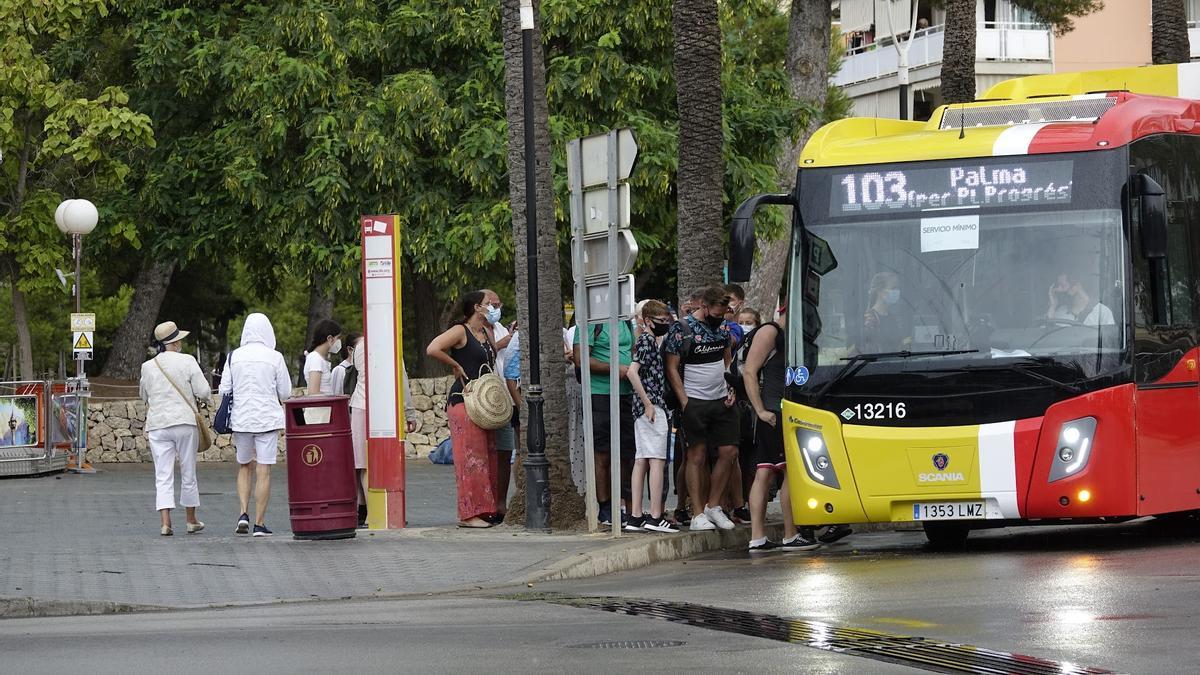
(947, 511)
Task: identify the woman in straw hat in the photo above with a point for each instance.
(171, 385)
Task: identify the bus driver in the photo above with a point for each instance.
(1069, 301)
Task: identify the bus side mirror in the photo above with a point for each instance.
(741, 236)
(1152, 215)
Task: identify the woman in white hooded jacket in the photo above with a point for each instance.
(257, 376)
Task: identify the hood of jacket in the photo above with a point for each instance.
(258, 329)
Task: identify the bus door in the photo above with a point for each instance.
(1165, 354)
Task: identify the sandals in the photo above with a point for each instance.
(466, 524)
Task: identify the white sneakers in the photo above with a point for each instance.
(710, 519)
(715, 515)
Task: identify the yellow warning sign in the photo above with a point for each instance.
(83, 341)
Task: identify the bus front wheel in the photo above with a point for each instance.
(946, 536)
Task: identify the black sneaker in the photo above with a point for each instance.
(660, 524)
(764, 547)
(634, 523)
(262, 531)
(834, 533)
(741, 515)
(682, 517)
(800, 542)
(243, 526)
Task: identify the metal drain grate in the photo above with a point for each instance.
(631, 644)
(916, 652)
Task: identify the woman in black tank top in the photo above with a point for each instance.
(466, 348)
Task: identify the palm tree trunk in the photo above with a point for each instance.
(566, 506)
(958, 54)
(700, 183)
(808, 71)
(1169, 41)
(129, 344)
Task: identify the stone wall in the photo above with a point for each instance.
(116, 428)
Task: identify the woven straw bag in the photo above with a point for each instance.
(489, 405)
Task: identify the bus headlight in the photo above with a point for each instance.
(815, 453)
(1074, 448)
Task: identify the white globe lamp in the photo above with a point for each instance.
(79, 216)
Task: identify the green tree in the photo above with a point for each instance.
(811, 59)
(1169, 36)
(61, 136)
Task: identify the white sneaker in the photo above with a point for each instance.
(701, 522)
(718, 517)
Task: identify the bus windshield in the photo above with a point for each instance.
(996, 277)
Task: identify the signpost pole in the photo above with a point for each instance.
(614, 335)
(582, 328)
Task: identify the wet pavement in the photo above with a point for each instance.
(1120, 597)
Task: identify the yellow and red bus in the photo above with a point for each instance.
(993, 315)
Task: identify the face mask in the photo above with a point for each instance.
(493, 314)
(714, 322)
(659, 329)
(891, 296)
(337, 346)
(747, 326)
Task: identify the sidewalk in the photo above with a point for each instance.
(73, 544)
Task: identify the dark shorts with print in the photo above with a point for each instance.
(712, 423)
(768, 444)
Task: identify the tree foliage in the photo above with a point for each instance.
(61, 137)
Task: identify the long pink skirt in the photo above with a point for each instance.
(475, 465)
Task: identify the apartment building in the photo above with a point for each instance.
(1010, 43)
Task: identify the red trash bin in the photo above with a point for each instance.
(322, 495)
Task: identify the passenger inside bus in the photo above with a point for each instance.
(1069, 301)
(884, 327)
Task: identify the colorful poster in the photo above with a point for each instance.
(18, 421)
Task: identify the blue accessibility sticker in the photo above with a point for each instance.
(801, 377)
(789, 376)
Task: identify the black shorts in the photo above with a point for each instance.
(712, 423)
(602, 434)
(768, 444)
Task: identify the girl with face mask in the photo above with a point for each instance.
(326, 338)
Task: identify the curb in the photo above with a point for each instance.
(29, 608)
(645, 550)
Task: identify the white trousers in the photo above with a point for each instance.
(166, 445)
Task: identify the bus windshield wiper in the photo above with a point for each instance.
(859, 361)
(1022, 368)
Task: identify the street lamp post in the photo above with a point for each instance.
(537, 469)
(78, 217)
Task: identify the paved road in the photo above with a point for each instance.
(445, 635)
(1122, 597)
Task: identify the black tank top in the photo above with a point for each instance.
(773, 374)
(472, 357)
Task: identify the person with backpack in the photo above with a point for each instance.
(600, 346)
(703, 347)
(651, 428)
(762, 361)
(337, 375)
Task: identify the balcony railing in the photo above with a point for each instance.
(993, 42)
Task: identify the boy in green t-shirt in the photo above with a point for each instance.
(599, 346)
